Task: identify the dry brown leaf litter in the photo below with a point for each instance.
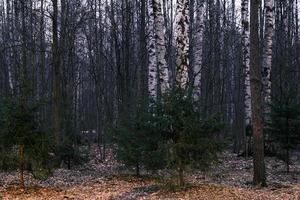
(96, 180)
(117, 189)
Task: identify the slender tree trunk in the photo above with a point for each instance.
(297, 49)
(182, 41)
(10, 80)
(267, 55)
(198, 48)
(42, 61)
(137, 169)
(21, 160)
(287, 161)
(56, 118)
(192, 20)
(287, 138)
(152, 61)
(259, 177)
(180, 173)
(246, 67)
(160, 46)
(23, 73)
(8, 38)
(141, 86)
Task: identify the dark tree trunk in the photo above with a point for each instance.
(137, 169)
(56, 118)
(21, 167)
(259, 177)
(288, 161)
(180, 174)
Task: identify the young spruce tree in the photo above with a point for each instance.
(169, 134)
(19, 129)
(284, 127)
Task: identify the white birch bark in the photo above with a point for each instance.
(246, 59)
(8, 51)
(182, 42)
(160, 46)
(152, 62)
(10, 81)
(267, 55)
(198, 48)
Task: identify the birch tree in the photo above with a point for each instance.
(267, 56)
(152, 64)
(198, 48)
(182, 42)
(8, 37)
(246, 60)
(160, 46)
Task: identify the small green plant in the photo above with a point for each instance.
(138, 144)
(169, 134)
(171, 187)
(67, 151)
(19, 128)
(284, 127)
(69, 154)
(190, 139)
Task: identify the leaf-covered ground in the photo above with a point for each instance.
(95, 180)
(121, 189)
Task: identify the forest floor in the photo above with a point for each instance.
(230, 179)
